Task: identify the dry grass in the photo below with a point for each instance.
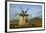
(32, 23)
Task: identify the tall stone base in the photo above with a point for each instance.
(23, 20)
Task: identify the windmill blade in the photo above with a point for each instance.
(16, 14)
(27, 9)
(21, 8)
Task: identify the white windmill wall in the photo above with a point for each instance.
(22, 20)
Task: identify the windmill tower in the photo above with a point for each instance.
(23, 18)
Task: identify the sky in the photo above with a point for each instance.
(32, 10)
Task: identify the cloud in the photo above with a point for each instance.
(32, 10)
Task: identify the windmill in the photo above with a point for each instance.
(23, 17)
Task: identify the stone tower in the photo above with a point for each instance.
(23, 18)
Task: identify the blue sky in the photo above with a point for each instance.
(32, 10)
